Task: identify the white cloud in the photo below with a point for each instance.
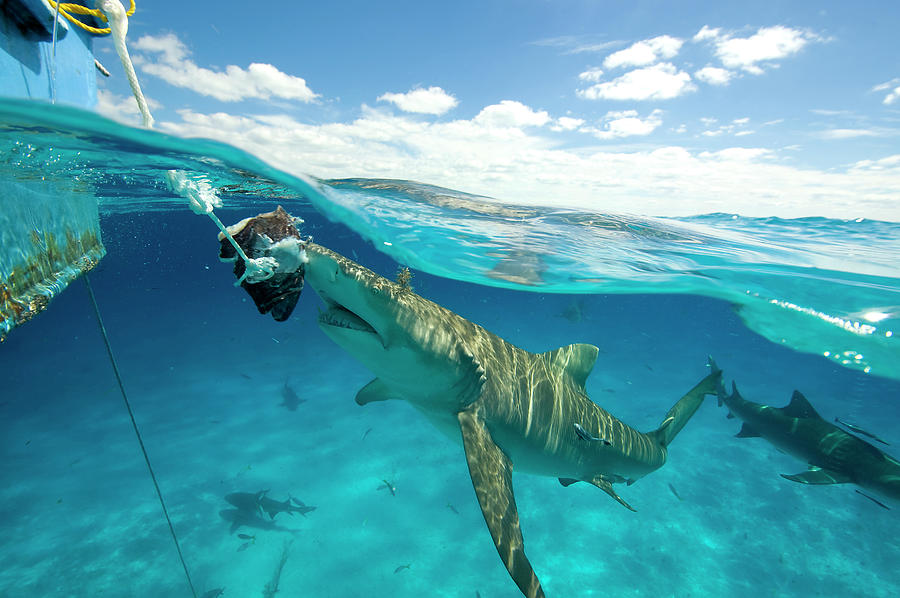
(849, 133)
(893, 89)
(433, 100)
(735, 127)
(707, 33)
(738, 154)
(752, 53)
(658, 82)
(601, 47)
(168, 58)
(824, 112)
(627, 123)
(714, 75)
(644, 52)
(122, 109)
(528, 166)
(567, 123)
(591, 75)
(888, 163)
(576, 44)
(510, 113)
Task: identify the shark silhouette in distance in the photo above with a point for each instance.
(508, 406)
(834, 455)
(239, 518)
(258, 502)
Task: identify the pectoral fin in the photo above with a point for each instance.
(376, 390)
(818, 477)
(747, 431)
(491, 472)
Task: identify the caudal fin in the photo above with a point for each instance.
(720, 388)
(685, 408)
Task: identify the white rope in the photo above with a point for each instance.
(118, 25)
(201, 196)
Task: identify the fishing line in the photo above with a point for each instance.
(137, 432)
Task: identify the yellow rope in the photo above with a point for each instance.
(66, 7)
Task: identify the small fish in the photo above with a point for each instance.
(215, 593)
(401, 568)
(389, 486)
(477, 594)
(609, 390)
(675, 492)
(452, 508)
(874, 500)
(289, 398)
(246, 537)
(648, 367)
(859, 430)
(366, 433)
(585, 435)
(244, 546)
(247, 376)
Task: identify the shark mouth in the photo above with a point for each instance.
(341, 317)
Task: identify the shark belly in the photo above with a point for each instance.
(531, 455)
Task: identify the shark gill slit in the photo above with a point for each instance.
(137, 432)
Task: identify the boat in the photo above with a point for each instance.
(50, 229)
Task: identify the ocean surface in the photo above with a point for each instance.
(810, 304)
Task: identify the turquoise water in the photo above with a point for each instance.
(205, 374)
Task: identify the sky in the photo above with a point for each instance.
(760, 108)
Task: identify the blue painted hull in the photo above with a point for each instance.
(27, 56)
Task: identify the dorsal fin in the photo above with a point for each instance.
(800, 407)
(577, 360)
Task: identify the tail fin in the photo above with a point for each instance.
(720, 389)
(685, 408)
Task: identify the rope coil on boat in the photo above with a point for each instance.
(67, 9)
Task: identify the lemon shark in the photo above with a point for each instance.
(506, 405)
(834, 456)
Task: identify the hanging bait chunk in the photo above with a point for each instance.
(273, 238)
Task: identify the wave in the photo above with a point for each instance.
(824, 286)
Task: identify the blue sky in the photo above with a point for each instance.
(661, 108)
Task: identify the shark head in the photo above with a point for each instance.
(410, 343)
(360, 314)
